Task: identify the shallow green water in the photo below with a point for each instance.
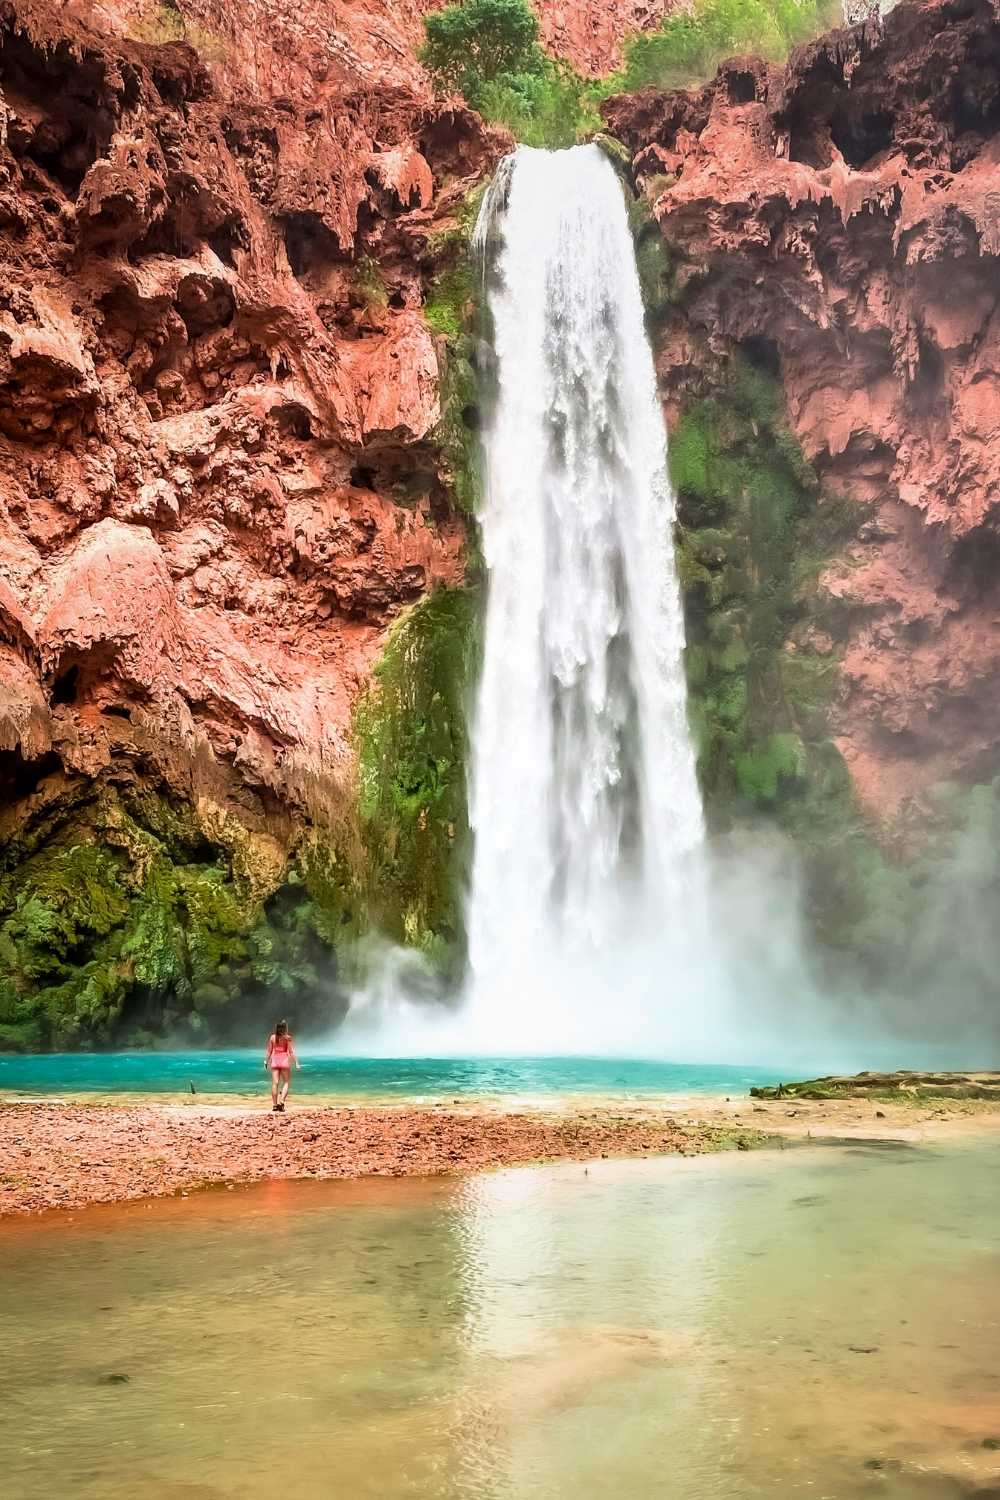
(820, 1323)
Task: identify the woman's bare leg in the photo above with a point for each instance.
(275, 1080)
(286, 1078)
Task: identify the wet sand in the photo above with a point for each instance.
(69, 1154)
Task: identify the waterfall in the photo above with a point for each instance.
(585, 803)
(598, 921)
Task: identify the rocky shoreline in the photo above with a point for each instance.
(69, 1155)
(904, 1084)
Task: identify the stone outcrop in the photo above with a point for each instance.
(839, 222)
(218, 396)
(589, 33)
(221, 474)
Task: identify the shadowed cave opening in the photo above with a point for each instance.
(742, 87)
(20, 777)
(66, 686)
(861, 134)
(308, 243)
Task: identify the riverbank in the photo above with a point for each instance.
(68, 1155)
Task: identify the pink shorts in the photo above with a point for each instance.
(280, 1060)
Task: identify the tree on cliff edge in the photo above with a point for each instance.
(471, 45)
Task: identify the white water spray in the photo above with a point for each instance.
(585, 803)
(599, 921)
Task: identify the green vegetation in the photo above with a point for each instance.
(165, 22)
(453, 312)
(753, 530)
(553, 107)
(133, 916)
(764, 644)
(652, 261)
(411, 737)
(898, 1088)
(926, 925)
(473, 44)
(370, 282)
(489, 50)
(127, 922)
(763, 657)
(690, 43)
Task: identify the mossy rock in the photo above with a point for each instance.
(411, 735)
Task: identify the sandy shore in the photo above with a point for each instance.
(66, 1155)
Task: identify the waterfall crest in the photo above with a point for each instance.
(585, 802)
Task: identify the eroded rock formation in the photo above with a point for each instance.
(839, 222)
(236, 393)
(220, 472)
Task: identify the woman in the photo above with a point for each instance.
(279, 1058)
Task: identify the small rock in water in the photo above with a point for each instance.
(992, 1443)
(863, 1348)
(880, 1114)
(114, 1380)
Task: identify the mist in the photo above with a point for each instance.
(602, 918)
(732, 976)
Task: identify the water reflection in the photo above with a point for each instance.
(796, 1324)
(733, 1329)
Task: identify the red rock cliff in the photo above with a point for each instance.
(218, 396)
(843, 215)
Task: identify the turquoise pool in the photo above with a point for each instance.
(242, 1072)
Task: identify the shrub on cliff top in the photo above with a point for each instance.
(489, 50)
(470, 45)
(690, 43)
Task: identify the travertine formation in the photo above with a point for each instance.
(218, 396)
(840, 221)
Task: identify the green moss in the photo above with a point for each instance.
(453, 312)
(448, 307)
(411, 735)
(60, 916)
(617, 153)
(747, 504)
(127, 917)
(370, 283)
(652, 260)
(763, 661)
(134, 915)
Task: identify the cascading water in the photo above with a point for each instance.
(589, 920)
(585, 803)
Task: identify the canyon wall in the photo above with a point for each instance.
(223, 472)
(238, 570)
(838, 223)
